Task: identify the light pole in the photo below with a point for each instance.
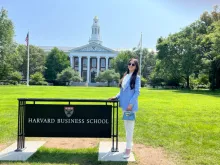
(141, 53)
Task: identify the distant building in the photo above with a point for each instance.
(93, 55)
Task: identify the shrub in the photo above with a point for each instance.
(37, 79)
(15, 77)
(68, 75)
(143, 82)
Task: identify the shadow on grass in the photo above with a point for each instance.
(61, 156)
(201, 92)
(215, 93)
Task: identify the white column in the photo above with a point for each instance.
(106, 62)
(98, 65)
(88, 69)
(80, 65)
(71, 61)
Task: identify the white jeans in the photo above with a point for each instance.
(129, 129)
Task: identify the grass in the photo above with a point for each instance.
(185, 123)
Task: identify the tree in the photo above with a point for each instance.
(190, 60)
(108, 76)
(209, 45)
(209, 18)
(68, 75)
(56, 62)
(192, 52)
(180, 56)
(161, 76)
(210, 48)
(168, 63)
(148, 61)
(120, 63)
(37, 58)
(7, 46)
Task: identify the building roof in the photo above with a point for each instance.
(67, 49)
(63, 48)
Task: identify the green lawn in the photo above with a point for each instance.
(185, 123)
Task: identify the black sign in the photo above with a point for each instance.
(68, 120)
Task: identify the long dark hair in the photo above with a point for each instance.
(133, 76)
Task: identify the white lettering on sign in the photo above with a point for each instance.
(41, 120)
(67, 121)
(97, 121)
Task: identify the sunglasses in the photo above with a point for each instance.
(132, 64)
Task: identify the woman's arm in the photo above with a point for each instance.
(136, 91)
(118, 95)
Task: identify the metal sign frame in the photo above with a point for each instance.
(22, 102)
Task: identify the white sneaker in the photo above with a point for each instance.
(126, 156)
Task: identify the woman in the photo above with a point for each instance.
(128, 99)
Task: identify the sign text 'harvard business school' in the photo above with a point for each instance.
(68, 121)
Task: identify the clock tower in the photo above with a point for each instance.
(95, 37)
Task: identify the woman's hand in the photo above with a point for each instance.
(129, 107)
(112, 98)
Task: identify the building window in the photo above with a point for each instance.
(98, 30)
(85, 63)
(76, 61)
(95, 30)
(93, 62)
(109, 62)
(102, 62)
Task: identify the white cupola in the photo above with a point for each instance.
(95, 37)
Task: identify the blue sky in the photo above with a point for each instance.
(68, 22)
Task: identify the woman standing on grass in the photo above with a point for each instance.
(128, 99)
